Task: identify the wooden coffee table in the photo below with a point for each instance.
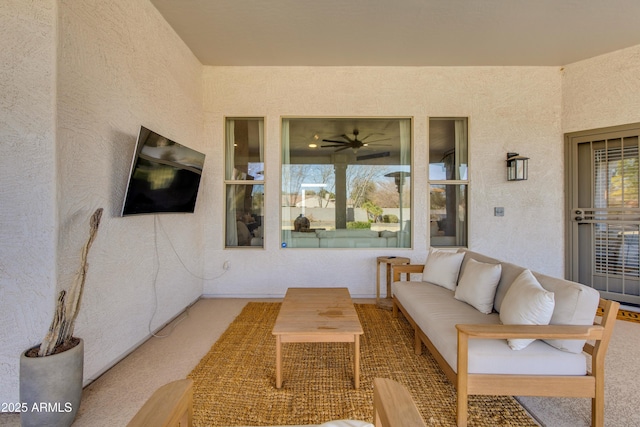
(318, 315)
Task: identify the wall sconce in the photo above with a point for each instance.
(517, 167)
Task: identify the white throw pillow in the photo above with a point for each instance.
(526, 303)
(478, 283)
(442, 268)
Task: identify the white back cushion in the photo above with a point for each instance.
(442, 268)
(478, 283)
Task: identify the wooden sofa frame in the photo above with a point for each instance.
(172, 406)
(169, 406)
(590, 385)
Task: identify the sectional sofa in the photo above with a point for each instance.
(344, 238)
(496, 328)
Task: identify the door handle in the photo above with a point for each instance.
(579, 218)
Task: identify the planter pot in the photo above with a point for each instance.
(51, 387)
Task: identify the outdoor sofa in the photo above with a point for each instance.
(496, 328)
(344, 238)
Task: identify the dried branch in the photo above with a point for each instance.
(61, 329)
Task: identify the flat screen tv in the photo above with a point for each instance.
(164, 176)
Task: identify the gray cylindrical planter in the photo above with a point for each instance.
(51, 387)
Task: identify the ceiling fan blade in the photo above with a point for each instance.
(342, 148)
(378, 140)
(332, 146)
(371, 134)
(373, 156)
(355, 134)
(333, 140)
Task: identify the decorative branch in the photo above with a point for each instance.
(61, 329)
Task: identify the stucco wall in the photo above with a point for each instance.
(602, 91)
(119, 66)
(509, 109)
(27, 174)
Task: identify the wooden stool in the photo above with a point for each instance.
(389, 261)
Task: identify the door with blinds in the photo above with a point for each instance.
(604, 211)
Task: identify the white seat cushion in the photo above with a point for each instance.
(437, 313)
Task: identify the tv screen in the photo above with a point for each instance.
(164, 176)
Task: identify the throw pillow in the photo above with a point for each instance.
(478, 283)
(442, 268)
(526, 303)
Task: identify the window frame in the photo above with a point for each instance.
(459, 183)
(228, 182)
(410, 121)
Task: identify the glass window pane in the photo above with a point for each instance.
(616, 174)
(346, 183)
(244, 149)
(448, 149)
(244, 176)
(448, 221)
(245, 207)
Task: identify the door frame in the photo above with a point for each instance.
(572, 140)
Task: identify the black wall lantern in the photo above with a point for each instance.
(517, 167)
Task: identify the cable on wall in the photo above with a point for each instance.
(176, 322)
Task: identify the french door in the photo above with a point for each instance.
(603, 223)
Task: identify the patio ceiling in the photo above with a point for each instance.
(402, 32)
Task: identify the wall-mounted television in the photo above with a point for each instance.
(164, 176)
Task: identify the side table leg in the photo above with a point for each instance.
(356, 362)
(389, 267)
(278, 362)
(377, 281)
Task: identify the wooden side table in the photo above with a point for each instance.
(389, 262)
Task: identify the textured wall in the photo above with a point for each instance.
(27, 174)
(509, 109)
(119, 65)
(602, 91)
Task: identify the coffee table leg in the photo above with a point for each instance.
(278, 362)
(356, 362)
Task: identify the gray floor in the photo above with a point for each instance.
(622, 388)
(116, 396)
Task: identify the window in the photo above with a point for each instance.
(244, 182)
(448, 181)
(346, 183)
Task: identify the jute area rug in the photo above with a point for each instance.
(234, 384)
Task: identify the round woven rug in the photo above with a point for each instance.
(234, 384)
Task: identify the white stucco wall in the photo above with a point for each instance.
(119, 65)
(122, 66)
(602, 91)
(27, 177)
(509, 109)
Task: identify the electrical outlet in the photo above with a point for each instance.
(226, 265)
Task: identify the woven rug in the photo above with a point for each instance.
(234, 384)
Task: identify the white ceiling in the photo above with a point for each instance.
(402, 32)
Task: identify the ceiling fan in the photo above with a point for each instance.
(353, 143)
